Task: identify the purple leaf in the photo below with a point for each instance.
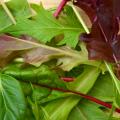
(103, 43)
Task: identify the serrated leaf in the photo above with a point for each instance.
(45, 27)
(12, 102)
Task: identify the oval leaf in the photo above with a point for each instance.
(11, 99)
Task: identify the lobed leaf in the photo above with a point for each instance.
(45, 27)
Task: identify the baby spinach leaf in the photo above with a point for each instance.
(87, 111)
(12, 101)
(103, 88)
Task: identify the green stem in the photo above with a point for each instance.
(111, 112)
(113, 76)
(80, 18)
(7, 11)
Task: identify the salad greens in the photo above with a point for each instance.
(38, 50)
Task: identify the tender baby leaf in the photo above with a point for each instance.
(12, 101)
(45, 27)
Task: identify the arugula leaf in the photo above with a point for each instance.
(12, 101)
(45, 27)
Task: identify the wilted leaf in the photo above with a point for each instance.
(36, 54)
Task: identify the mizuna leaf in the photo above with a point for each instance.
(12, 101)
(36, 54)
(45, 27)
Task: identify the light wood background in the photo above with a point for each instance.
(47, 3)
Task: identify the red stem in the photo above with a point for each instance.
(60, 8)
(95, 100)
(67, 79)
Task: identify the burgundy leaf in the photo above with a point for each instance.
(116, 7)
(103, 42)
(88, 6)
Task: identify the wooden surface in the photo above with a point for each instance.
(47, 3)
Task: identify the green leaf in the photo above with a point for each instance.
(115, 81)
(36, 75)
(103, 88)
(4, 20)
(12, 102)
(54, 95)
(18, 8)
(79, 85)
(60, 109)
(45, 27)
(87, 111)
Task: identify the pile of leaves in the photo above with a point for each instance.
(49, 66)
